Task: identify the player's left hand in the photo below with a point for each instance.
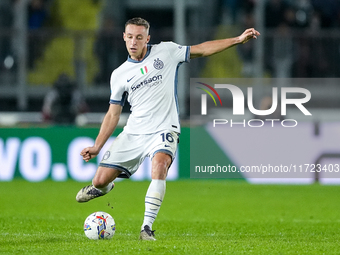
(248, 34)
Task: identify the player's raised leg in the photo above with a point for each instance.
(102, 184)
(155, 194)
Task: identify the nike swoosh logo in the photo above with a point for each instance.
(131, 79)
(166, 145)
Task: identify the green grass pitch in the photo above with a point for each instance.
(197, 217)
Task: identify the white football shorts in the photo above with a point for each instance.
(128, 151)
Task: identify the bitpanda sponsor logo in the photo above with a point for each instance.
(150, 82)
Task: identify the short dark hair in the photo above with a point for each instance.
(138, 22)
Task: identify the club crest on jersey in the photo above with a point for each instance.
(158, 64)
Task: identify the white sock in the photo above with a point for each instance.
(153, 200)
(106, 189)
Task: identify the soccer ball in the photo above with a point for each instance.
(99, 225)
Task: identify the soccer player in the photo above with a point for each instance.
(148, 80)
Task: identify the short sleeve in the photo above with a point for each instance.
(118, 93)
(178, 52)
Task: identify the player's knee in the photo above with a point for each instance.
(160, 168)
(162, 159)
(162, 163)
(99, 182)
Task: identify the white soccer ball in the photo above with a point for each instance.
(99, 225)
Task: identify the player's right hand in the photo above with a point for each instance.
(89, 153)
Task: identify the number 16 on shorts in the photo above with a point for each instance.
(168, 137)
(169, 141)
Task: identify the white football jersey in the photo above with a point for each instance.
(150, 86)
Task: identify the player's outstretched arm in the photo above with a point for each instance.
(212, 47)
(107, 127)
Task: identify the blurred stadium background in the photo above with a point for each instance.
(82, 40)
